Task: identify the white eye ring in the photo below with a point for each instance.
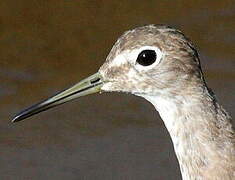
(132, 55)
(159, 56)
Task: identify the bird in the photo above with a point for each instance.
(161, 64)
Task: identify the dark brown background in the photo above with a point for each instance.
(46, 46)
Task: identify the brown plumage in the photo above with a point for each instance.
(200, 128)
(160, 64)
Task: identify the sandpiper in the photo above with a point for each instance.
(161, 65)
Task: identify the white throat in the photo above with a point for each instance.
(166, 109)
(197, 139)
(174, 121)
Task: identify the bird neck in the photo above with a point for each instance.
(201, 133)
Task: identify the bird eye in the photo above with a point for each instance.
(146, 57)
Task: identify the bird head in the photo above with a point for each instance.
(150, 60)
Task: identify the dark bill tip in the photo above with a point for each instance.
(37, 108)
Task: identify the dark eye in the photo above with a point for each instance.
(146, 57)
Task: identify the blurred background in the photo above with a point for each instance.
(47, 46)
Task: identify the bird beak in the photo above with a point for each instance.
(90, 85)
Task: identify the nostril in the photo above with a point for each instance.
(95, 80)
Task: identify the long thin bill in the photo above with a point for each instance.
(90, 85)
